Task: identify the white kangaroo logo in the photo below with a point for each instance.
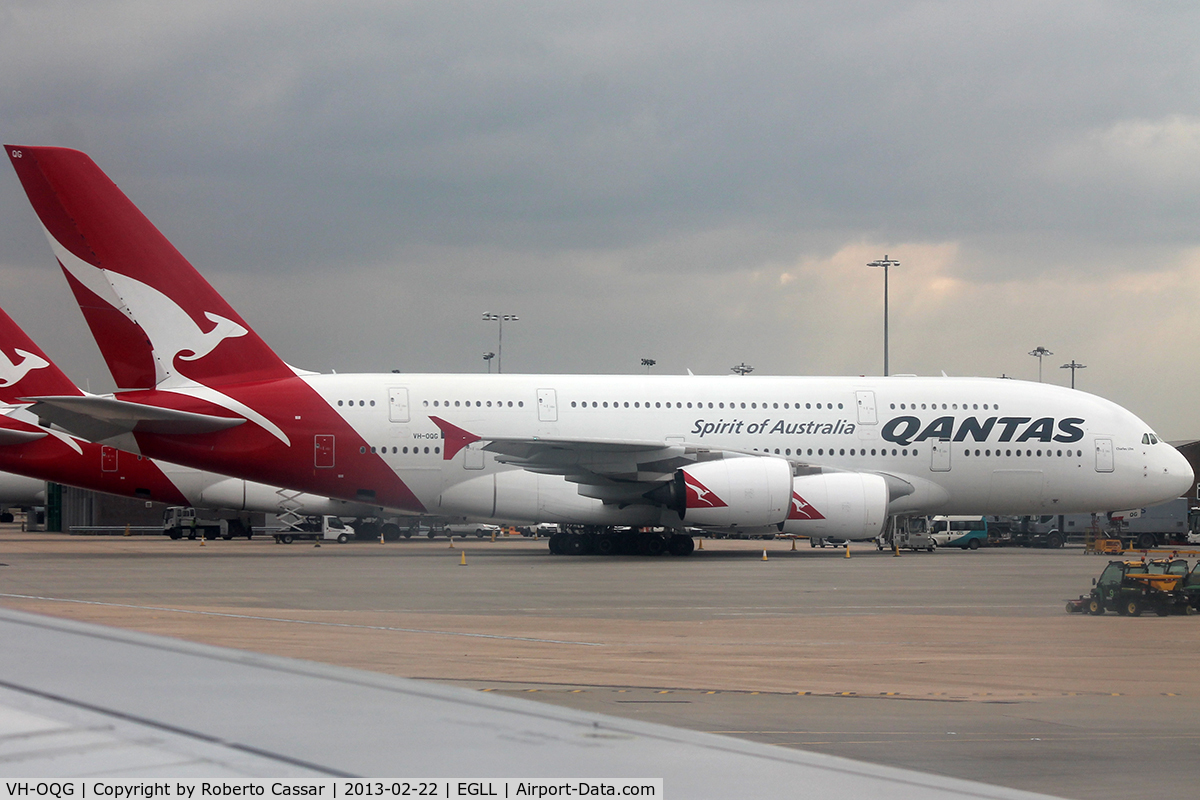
(11, 374)
(171, 330)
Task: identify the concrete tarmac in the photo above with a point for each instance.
(954, 662)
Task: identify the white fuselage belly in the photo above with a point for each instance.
(1037, 444)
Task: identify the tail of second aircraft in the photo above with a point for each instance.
(156, 320)
(24, 369)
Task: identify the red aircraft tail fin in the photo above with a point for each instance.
(155, 319)
(24, 369)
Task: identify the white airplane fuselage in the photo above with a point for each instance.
(963, 445)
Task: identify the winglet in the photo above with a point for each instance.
(456, 438)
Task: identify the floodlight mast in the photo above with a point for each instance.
(648, 363)
(487, 358)
(742, 369)
(500, 319)
(885, 262)
(1041, 353)
(1073, 366)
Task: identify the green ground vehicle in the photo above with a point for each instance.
(1132, 587)
(1190, 586)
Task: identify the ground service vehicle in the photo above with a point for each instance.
(969, 533)
(1131, 587)
(180, 521)
(1190, 586)
(1153, 526)
(324, 527)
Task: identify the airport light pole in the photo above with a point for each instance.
(885, 263)
(1041, 353)
(1073, 366)
(487, 359)
(742, 369)
(648, 363)
(500, 319)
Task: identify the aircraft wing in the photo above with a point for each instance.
(613, 470)
(84, 701)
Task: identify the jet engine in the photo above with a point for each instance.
(746, 492)
(837, 505)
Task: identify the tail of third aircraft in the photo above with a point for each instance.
(156, 320)
(25, 371)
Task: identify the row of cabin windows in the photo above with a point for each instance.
(947, 407)
(476, 403)
(399, 450)
(841, 451)
(674, 404)
(359, 402)
(1028, 453)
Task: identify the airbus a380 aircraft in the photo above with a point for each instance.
(28, 449)
(815, 456)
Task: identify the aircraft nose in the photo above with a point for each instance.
(1177, 472)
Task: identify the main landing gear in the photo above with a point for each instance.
(585, 541)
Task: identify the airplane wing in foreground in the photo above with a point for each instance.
(80, 700)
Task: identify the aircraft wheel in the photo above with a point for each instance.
(681, 545)
(556, 543)
(573, 545)
(606, 545)
(652, 545)
(391, 532)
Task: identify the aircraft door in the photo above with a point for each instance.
(398, 404)
(108, 458)
(1104, 455)
(473, 456)
(547, 405)
(939, 455)
(866, 408)
(323, 450)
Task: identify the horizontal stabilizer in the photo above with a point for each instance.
(100, 418)
(11, 436)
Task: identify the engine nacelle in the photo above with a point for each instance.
(746, 492)
(838, 505)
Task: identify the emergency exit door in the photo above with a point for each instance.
(323, 450)
(547, 405)
(939, 459)
(398, 404)
(866, 408)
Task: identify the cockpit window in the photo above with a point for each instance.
(1149, 438)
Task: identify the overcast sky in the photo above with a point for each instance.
(701, 183)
